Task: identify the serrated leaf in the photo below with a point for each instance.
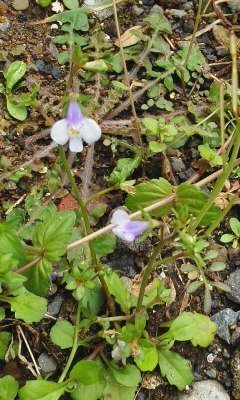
(159, 22)
(117, 288)
(28, 307)
(151, 124)
(104, 245)
(87, 372)
(8, 388)
(192, 197)
(14, 73)
(175, 368)
(42, 390)
(5, 338)
(52, 235)
(62, 334)
(148, 356)
(157, 147)
(150, 193)
(38, 277)
(124, 168)
(10, 244)
(192, 326)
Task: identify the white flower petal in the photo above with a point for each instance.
(76, 144)
(120, 217)
(59, 132)
(90, 131)
(123, 234)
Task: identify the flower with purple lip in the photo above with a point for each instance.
(75, 128)
(125, 228)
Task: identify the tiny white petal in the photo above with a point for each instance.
(90, 130)
(120, 217)
(76, 144)
(59, 132)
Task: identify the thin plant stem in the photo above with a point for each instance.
(87, 226)
(29, 265)
(113, 319)
(222, 123)
(221, 216)
(197, 20)
(101, 193)
(75, 344)
(33, 250)
(128, 81)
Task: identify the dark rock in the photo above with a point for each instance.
(55, 305)
(47, 363)
(178, 13)
(177, 164)
(235, 369)
(56, 72)
(234, 283)
(211, 373)
(235, 339)
(185, 175)
(223, 320)
(136, 10)
(156, 8)
(188, 6)
(222, 51)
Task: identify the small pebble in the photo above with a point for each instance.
(54, 307)
(211, 373)
(20, 5)
(178, 13)
(47, 363)
(4, 26)
(136, 10)
(234, 283)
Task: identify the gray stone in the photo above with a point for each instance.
(234, 283)
(20, 5)
(185, 175)
(4, 26)
(206, 390)
(136, 10)
(222, 51)
(178, 13)
(177, 164)
(234, 6)
(223, 319)
(47, 363)
(156, 9)
(211, 373)
(102, 14)
(235, 369)
(235, 336)
(54, 307)
(188, 6)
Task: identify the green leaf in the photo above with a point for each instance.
(90, 392)
(152, 125)
(28, 307)
(8, 388)
(120, 85)
(227, 238)
(217, 266)
(62, 334)
(117, 288)
(175, 368)
(42, 390)
(235, 226)
(221, 286)
(194, 286)
(11, 244)
(38, 277)
(124, 168)
(5, 338)
(210, 154)
(71, 4)
(159, 22)
(104, 244)
(2, 313)
(14, 73)
(192, 326)
(52, 235)
(115, 391)
(192, 197)
(87, 372)
(157, 147)
(98, 65)
(148, 357)
(17, 111)
(150, 193)
(128, 376)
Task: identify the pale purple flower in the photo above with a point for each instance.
(75, 128)
(125, 228)
(117, 351)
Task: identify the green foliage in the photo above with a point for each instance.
(8, 388)
(210, 155)
(5, 338)
(16, 110)
(227, 237)
(195, 327)
(124, 168)
(117, 288)
(14, 73)
(28, 307)
(128, 375)
(149, 193)
(42, 390)
(147, 359)
(11, 244)
(62, 334)
(191, 197)
(159, 22)
(175, 368)
(104, 245)
(87, 372)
